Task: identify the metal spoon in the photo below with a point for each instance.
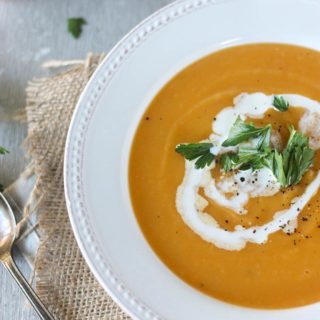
(7, 236)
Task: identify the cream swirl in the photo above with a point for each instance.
(191, 205)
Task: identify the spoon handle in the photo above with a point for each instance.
(27, 289)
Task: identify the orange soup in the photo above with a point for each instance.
(265, 269)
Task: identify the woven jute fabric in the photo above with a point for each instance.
(63, 280)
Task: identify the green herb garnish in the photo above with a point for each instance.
(75, 26)
(251, 158)
(245, 158)
(280, 103)
(229, 161)
(297, 157)
(287, 166)
(3, 150)
(276, 165)
(199, 151)
(242, 131)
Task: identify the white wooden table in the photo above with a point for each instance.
(31, 32)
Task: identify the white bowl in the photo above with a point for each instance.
(101, 133)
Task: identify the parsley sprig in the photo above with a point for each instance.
(288, 165)
(297, 157)
(244, 159)
(199, 151)
(280, 103)
(242, 131)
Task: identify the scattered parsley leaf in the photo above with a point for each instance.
(280, 103)
(75, 26)
(199, 151)
(242, 131)
(3, 150)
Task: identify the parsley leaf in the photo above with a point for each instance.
(242, 131)
(75, 26)
(229, 161)
(297, 157)
(246, 158)
(253, 158)
(280, 103)
(277, 167)
(3, 150)
(199, 151)
(287, 166)
(264, 137)
(204, 160)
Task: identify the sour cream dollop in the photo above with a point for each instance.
(234, 191)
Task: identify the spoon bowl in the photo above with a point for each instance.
(7, 227)
(7, 237)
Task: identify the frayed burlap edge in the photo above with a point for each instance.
(63, 280)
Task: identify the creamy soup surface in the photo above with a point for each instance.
(224, 250)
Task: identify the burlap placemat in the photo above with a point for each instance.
(63, 280)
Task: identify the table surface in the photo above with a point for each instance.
(32, 32)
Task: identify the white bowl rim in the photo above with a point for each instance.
(75, 206)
